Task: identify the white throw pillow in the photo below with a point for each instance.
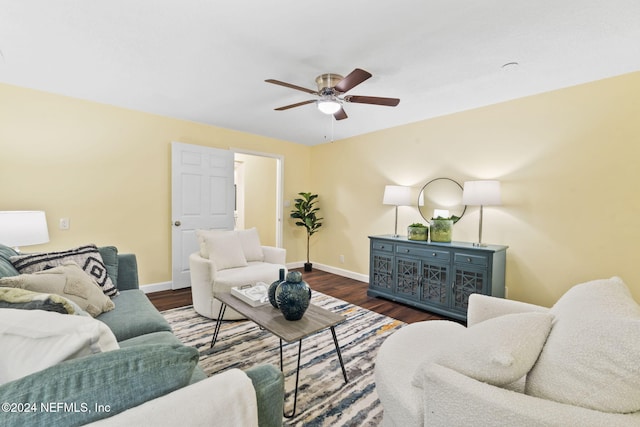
(497, 351)
(32, 340)
(250, 241)
(225, 250)
(202, 236)
(591, 358)
(501, 350)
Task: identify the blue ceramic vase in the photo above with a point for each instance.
(273, 287)
(293, 296)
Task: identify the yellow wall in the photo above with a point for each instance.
(566, 159)
(108, 169)
(568, 163)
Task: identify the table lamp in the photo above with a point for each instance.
(482, 193)
(396, 195)
(23, 228)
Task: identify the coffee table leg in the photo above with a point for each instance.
(223, 307)
(335, 341)
(295, 394)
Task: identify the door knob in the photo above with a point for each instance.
(177, 223)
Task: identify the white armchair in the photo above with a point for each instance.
(584, 372)
(227, 259)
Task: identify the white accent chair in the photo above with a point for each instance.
(518, 364)
(227, 259)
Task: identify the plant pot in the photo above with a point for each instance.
(308, 266)
(441, 230)
(417, 233)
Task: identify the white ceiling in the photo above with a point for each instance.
(206, 60)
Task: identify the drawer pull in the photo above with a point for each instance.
(408, 250)
(469, 260)
(434, 254)
(382, 247)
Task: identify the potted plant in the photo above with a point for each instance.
(417, 231)
(306, 213)
(442, 228)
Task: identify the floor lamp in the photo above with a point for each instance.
(23, 228)
(396, 195)
(481, 193)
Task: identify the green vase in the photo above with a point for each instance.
(417, 233)
(441, 230)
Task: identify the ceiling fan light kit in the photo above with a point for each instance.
(329, 106)
(331, 87)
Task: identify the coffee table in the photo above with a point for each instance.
(315, 319)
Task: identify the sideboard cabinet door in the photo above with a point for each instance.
(408, 277)
(381, 277)
(435, 284)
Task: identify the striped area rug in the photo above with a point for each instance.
(323, 397)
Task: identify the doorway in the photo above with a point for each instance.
(205, 195)
(258, 188)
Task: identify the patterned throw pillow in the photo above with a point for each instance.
(23, 299)
(87, 257)
(67, 280)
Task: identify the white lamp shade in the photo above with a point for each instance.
(396, 195)
(328, 106)
(23, 228)
(485, 193)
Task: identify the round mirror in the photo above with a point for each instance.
(442, 194)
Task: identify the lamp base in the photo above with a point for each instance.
(480, 245)
(395, 232)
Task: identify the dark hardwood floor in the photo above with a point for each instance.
(349, 290)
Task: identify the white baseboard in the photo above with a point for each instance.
(291, 265)
(166, 286)
(334, 270)
(156, 287)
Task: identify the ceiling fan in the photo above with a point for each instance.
(331, 88)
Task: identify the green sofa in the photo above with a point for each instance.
(153, 376)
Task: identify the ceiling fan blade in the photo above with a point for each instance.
(290, 86)
(286, 107)
(376, 100)
(354, 78)
(340, 115)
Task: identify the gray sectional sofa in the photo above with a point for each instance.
(152, 379)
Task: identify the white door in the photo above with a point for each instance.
(202, 197)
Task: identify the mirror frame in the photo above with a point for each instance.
(457, 208)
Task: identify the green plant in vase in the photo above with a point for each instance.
(442, 228)
(417, 231)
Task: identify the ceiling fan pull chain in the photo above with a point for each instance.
(333, 123)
